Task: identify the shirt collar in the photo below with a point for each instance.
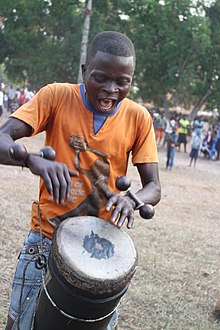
(90, 108)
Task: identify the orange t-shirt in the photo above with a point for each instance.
(59, 110)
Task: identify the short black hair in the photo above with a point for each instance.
(111, 42)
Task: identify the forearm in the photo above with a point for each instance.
(6, 142)
(150, 193)
(12, 130)
(151, 188)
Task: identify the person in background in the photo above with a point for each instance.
(11, 95)
(1, 100)
(214, 144)
(217, 147)
(196, 143)
(22, 98)
(183, 130)
(170, 127)
(159, 131)
(171, 147)
(198, 124)
(207, 143)
(17, 94)
(78, 118)
(28, 94)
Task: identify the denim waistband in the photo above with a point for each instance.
(34, 245)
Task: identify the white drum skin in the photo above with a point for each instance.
(94, 255)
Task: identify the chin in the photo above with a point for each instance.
(106, 111)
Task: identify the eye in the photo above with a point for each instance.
(100, 78)
(123, 82)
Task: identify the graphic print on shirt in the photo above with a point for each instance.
(98, 175)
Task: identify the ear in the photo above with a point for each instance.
(83, 68)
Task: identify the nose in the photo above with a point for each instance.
(110, 86)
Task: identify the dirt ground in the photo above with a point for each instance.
(176, 285)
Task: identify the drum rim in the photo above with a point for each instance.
(79, 281)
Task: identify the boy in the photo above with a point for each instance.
(93, 128)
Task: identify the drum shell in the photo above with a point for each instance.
(75, 304)
(77, 297)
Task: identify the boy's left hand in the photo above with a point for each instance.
(123, 210)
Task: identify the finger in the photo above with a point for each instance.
(64, 185)
(115, 214)
(121, 220)
(73, 173)
(56, 187)
(130, 221)
(112, 201)
(48, 183)
(70, 173)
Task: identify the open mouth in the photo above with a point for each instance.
(106, 104)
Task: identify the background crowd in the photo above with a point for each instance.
(200, 136)
(12, 97)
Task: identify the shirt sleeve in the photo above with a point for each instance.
(145, 148)
(37, 111)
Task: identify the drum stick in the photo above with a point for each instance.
(146, 211)
(123, 183)
(19, 152)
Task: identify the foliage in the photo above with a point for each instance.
(177, 44)
(37, 39)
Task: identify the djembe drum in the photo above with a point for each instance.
(90, 267)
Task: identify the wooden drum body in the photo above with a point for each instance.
(90, 267)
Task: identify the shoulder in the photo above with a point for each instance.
(57, 92)
(135, 109)
(64, 88)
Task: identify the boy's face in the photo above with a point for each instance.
(107, 80)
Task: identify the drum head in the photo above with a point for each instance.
(93, 254)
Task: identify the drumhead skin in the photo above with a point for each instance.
(93, 255)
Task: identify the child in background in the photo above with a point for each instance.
(171, 146)
(196, 142)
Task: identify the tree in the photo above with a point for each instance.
(177, 44)
(40, 42)
(85, 36)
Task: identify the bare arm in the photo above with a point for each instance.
(10, 131)
(56, 176)
(151, 191)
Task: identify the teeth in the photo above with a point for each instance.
(106, 103)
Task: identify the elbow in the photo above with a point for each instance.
(157, 193)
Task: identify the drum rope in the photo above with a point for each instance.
(71, 317)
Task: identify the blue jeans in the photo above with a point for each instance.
(31, 287)
(170, 156)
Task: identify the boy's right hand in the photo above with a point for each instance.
(56, 176)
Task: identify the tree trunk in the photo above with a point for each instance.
(166, 107)
(199, 104)
(85, 36)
